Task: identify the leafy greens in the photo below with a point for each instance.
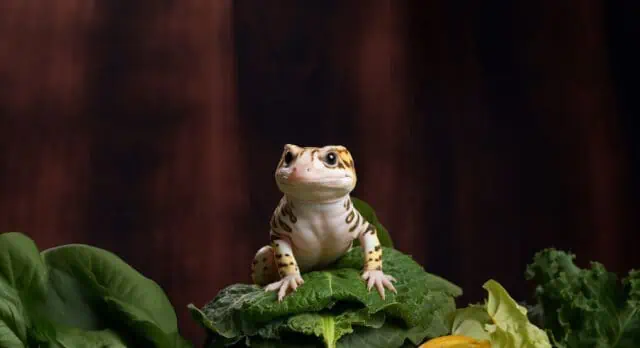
(501, 321)
(334, 309)
(585, 307)
(79, 296)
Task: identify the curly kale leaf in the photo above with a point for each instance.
(586, 307)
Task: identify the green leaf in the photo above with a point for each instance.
(76, 338)
(77, 295)
(501, 321)
(331, 301)
(293, 341)
(389, 335)
(326, 326)
(585, 307)
(13, 321)
(471, 321)
(511, 327)
(22, 277)
(369, 214)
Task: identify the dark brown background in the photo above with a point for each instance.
(482, 131)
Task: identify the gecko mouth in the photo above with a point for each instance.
(319, 182)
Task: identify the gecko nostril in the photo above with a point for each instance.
(308, 169)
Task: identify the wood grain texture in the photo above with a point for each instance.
(44, 134)
(480, 133)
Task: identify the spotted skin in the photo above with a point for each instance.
(315, 222)
(284, 258)
(263, 269)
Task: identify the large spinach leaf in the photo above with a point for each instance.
(79, 296)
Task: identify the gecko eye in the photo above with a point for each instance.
(288, 157)
(331, 159)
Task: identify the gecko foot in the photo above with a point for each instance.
(283, 285)
(380, 280)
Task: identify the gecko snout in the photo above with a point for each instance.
(297, 173)
(295, 169)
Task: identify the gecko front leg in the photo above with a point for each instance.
(373, 262)
(287, 269)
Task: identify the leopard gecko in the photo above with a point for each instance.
(315, 222)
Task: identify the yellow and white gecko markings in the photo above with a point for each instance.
(315, 222)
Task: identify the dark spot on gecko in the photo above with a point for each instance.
(370, 251)
(370, 228)
(284, 226)
(286, 211)
(278, 256)
(370, 259)
(254, 262)
(281, 265)
(377, 247)
(356, 224)
(264, 259)
(350, 217)
(379, 268)
(287, 255)
(290, 263)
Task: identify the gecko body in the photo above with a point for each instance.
(315, 222)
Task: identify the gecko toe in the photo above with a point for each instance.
(388, 285)
(380, 289)
(370, 283)
(273, 286)
(282, 292)
(365, 275)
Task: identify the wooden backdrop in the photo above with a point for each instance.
(482, 132)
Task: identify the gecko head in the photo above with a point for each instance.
(316, 173)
